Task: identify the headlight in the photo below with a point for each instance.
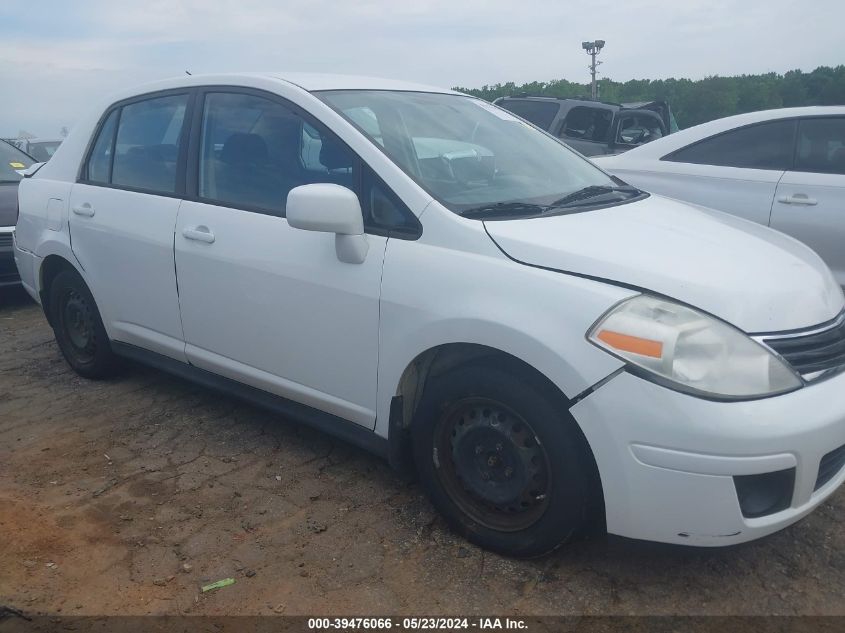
(694, 351)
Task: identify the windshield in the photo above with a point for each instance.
(473, 157)
(12, 161)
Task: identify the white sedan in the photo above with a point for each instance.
(435, 280)
(782, 168)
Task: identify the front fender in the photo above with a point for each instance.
(538, 316)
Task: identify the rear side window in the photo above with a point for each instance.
(149, 136)
(761, 146)
(540, 113)
(99, 162)
(821, 146)
(253, 151)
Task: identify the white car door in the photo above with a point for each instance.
(262, 302)
(736, 171)
(123, 214)
(810, 199)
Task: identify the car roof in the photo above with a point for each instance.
(682, 138)
(310, 82)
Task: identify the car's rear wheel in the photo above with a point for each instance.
(502, 459)
(78, 327)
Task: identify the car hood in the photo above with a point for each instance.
(747, 274)
(8, 204)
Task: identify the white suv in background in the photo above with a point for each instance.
(431, 278)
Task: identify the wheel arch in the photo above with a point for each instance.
(442, 358)
(50, 267)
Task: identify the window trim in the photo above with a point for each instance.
(793, 119)
(358, 164)
(179, 188)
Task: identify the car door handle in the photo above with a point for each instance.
(798, 198)
(198, 233)
(85, 210)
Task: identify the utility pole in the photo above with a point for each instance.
(593, 49)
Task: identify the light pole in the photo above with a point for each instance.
(593, 49)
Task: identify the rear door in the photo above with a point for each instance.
(736, 171)
(123, 214)
(810, 199)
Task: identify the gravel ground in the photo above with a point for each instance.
(126, 496)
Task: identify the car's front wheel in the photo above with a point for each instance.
(502, 459)
(78, 327)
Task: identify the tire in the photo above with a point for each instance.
(502, 459)
(78, 327)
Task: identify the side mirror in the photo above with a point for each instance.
(330, 208)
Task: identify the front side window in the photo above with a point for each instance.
(254, 150)
(821, 145)
(149, 137)
(383, 210)
(473, 156)
(760, 146)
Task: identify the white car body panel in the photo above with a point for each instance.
(821, 223)
(420, 312)
(272, 307)
(686, 452)
(262, 276)
(126, 250)
(798, 287)
(753, 194)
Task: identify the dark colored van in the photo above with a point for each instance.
(595, 127)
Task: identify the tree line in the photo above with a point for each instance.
(698, 101)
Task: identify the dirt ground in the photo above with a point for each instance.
(126, 496)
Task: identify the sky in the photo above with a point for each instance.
(58, 57)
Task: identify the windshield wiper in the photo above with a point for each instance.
(505, 209)
(593, 191)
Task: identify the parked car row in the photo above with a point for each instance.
(432, 278)
(13, 163)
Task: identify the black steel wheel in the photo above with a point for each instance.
(78, 327)
(496, 469)
(502, 459)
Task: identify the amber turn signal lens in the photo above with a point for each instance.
(632, 344)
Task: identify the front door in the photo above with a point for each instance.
(262, 302)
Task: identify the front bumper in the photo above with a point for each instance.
(8, 270)
(667, 460)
